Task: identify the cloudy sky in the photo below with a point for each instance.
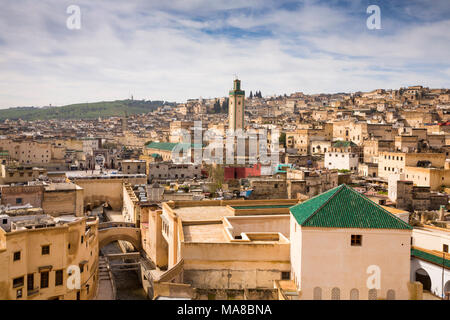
(180, 49)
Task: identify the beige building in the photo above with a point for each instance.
(220, 247)
(134, 166)
(396, 162)
(345, 247)
(19, 174)
(36, 253)
(32, 152)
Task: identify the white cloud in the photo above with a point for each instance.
(160, 51)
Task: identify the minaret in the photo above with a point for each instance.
(236, 107)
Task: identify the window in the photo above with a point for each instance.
(354, 294)
(16, 256)
(390, 295)
(445, 248)
(285, 275)
(18, 200)
(81, 268)
(373, 294)
(335, 294)
(82, 239)
(45, 250)
(18, 282)
(58, 278)
(356, 240)
(30, 281)
(317, 293)
(44, 279)
(4, 221)
(19, 294)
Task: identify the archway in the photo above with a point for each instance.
(447, 290)
(110, 234)
(124, 237)
(423, 277)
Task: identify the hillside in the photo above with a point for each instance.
(82, 110)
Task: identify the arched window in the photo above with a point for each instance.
(390, 295)
(354, 294)
(335, 294)
(317, 293)
(373, 294)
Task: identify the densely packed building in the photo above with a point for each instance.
(349, 182)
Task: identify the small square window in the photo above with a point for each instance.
(18, 282)
(285, 275)
(45, 250)
(16, 256)
(356, 240)
(445, 248)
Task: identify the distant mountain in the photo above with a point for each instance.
(102, 109)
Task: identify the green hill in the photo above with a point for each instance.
(102, 109)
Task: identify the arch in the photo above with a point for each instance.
(108, 235)
(317, 293)
(447, 290)
(423, 277)
(390, 295)
(335, 294)
(354, 294)
(373, 294)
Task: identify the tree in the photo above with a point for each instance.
(251, 95)
(217, 177)
(282, 139)
(225, 106)
(217, 108)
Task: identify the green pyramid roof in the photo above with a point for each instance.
(343, 144)
(343, 207)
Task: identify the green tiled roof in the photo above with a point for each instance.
(343, 144)
(430, 257)
(343, 207)
(168, 146)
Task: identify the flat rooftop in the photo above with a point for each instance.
(213, 232)
(201, 213)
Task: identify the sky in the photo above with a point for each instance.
(181, 49)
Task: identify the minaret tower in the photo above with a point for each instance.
(236, 107)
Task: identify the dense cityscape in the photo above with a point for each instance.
(364, 170)
(217, 159)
